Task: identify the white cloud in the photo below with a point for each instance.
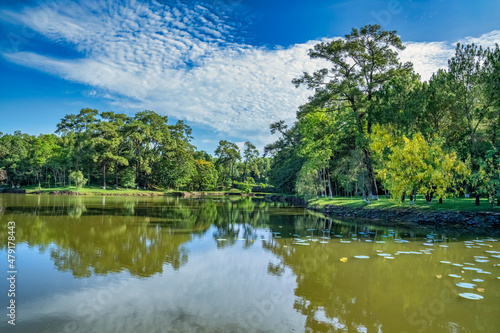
(184, 61)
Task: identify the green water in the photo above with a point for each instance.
(141, 264)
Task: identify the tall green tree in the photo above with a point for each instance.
(228, 154)
(360, 64)
(106, 142)
(250, 153)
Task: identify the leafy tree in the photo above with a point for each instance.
(245, 188)
(106, 142)
(205, 178)
(78, 179)
(250, 153)
(361, 63)
(228, 153)
(128, 178)
(149, 134)
(487, 179)
(286, 161)
(418, 166)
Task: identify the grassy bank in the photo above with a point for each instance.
(89, 190)
(459, 204)
(98, 190)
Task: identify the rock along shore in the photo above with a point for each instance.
(445, 220)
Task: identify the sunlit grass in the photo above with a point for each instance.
(91, 190)
(460, 204)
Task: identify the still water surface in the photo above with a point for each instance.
(141, 264)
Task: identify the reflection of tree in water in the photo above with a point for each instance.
(107, 235)
(336, 296)
(96, 235)
(239, 218)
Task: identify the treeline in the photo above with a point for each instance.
(110, 148)
(373, 127)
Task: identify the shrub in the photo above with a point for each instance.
(245, 188)
(128, 178)
(77, 178)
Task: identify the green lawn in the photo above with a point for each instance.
(90, 190)
(460, 204)
(111, 190)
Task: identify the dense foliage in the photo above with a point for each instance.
(110, 148)
(372, 125)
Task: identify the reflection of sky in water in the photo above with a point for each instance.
(218, 288)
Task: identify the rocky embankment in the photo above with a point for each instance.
(471, 221)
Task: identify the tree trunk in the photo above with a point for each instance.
(477, 199)
(428, 197)
(330, 186)
(371, 175)
(116, 174)
(441, 201)
(244, 172)
(104, 175)
(403, 197)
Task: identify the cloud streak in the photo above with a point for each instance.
(185, 60)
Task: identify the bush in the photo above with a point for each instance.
(128, 178)
(77, 178)
(245, 188)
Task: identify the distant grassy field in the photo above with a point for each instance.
(91, 190)
(460, 204)
(98, 190)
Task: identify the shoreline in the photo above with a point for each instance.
(450, 220)
(184, 194)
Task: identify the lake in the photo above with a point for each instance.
(232, 264)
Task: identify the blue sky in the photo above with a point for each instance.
(225, 66)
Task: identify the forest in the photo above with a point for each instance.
(112, 149)
(371, 127)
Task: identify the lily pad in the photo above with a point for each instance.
(471, 296)
(466, 285)
(472, 269)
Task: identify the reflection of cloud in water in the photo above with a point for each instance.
(205, 295)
